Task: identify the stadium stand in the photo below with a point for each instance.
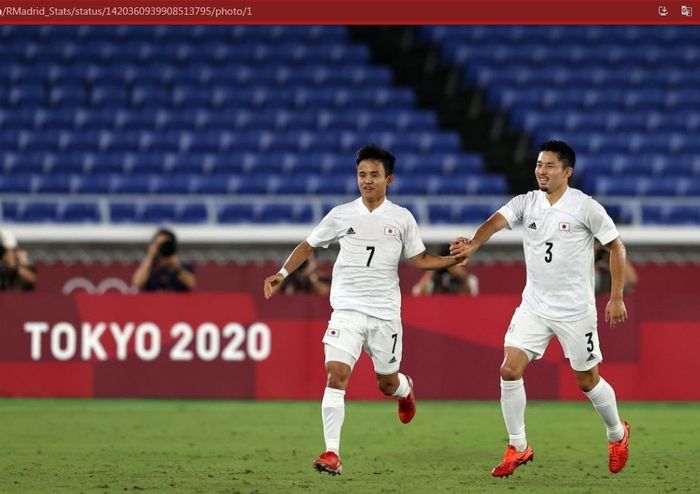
(625, 97)
(179, 124)
(222, 125)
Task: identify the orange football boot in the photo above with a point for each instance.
(407, 406)
(512, 459)
(328, 462)
(619, 451)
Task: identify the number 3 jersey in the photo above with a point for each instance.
(558, 245)
(365, 274)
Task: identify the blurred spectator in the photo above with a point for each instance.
(307, 279)
(602, 271)
(161, 269)
(455, 279)
(16, 271)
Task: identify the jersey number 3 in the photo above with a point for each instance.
(548, 252)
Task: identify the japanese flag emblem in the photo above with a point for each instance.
(565, 227)
(389, 230)
(333, 332)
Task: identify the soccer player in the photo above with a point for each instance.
(560, 224)
(373, 234)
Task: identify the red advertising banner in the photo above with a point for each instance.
(237, 345)
(346, 12)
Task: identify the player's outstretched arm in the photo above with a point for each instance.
(615, 310)
(426, 260)
(300, 253)
(466, 248)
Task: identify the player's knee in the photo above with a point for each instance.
(338, 380)
(587, 382)
(510, 373)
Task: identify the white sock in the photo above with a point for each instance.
(603, 399)
(513, 401)
(403, 389)
(333, 415)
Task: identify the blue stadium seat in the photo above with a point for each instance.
(38, 212)
(123, 213)
(286, 213)
(18, 184)
(236, 213)
(79, 213)
(158, 213)
(192, 213)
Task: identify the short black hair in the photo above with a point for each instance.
(566, 154)
(374, 152)
(168, 233)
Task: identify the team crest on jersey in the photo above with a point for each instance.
(564, 227)
(389, 230)
(334, 333)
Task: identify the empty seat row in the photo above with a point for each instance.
(563, 99)
(606, 120)
(226, 141)
(571, 54)
(160, 33)
(237, 213)
(270, 184)
(595, 76)
(156, 213)
(633, 143)
(640, 186)
(78, 163)
(650, 165)
(117, 96)
(162, 119)
(182, 52)
(198, 75)
(562, 34)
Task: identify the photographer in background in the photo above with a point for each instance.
(16, 271)
(161, 269)
(454, 280)
(307, 278)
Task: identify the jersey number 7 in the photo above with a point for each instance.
(371, 254)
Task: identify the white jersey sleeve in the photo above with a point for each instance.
(600, 223)
(514, 210)
(412, 243)
(326, 232)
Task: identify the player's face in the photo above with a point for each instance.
(372, 180)
(550, 172)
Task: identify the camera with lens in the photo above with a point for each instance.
(167, 248)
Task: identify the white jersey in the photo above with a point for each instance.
(558, 245)
(365, 274)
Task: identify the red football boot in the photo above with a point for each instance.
(512, 459)
(407, 406)
(619, 451)
(328, 462)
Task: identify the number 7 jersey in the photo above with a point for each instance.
(558, 245)
(365, 273)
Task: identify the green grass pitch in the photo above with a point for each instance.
(109, 446)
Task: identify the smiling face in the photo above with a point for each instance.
(372, 180)
(551, 174)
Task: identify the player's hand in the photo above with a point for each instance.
(462, 249)
(272, 284)
(615, 312)
(153, 246)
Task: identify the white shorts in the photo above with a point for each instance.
(578, 339)
(351, 331)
